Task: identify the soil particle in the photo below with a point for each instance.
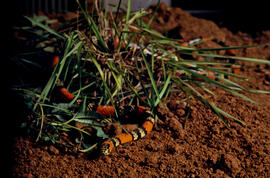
(267, 76)
(178, 106)
(232, 163)
(151, 159)
(173, 148)
(113, 129)
(29, 176)
(175, 126)
(53, 150)
(129, 127)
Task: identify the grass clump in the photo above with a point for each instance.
(111, 60)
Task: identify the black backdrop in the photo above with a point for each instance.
(238, 15)
(244, 15)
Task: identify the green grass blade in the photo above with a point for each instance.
(165, 86)
(94, 28)
(259, 91)
(108, 92)
(225, 73)
(230, 47)
(229, 57)
(117, 11)
(127, 19)
(89, 148)
(142, 84)
(56, 74)
(57, 108)
(217, 110)
(154, 33)
(149, 71)
(153, 15)
(226, 114)
(204, 88)
(42, 121)
(44, 27)
(211, 81)
(232, 83)
(137, 15)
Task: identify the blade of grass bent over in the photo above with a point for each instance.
(164, 89)
(44, 27)
(211, 81)
(229, 57)
(213, 107)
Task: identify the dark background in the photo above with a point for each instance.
(238, 15)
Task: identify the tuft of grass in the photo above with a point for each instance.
(98, 70)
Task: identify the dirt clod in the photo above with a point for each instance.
(53, 150)
(267, 76)
(233, 163)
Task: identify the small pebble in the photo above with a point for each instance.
(267, 76)
(54, 150)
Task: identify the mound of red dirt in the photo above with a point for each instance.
(195, 144)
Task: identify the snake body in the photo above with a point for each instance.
(108, 145)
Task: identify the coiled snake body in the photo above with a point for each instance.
(108, 145)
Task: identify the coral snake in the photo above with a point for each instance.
(108, 145)
(109, 111)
